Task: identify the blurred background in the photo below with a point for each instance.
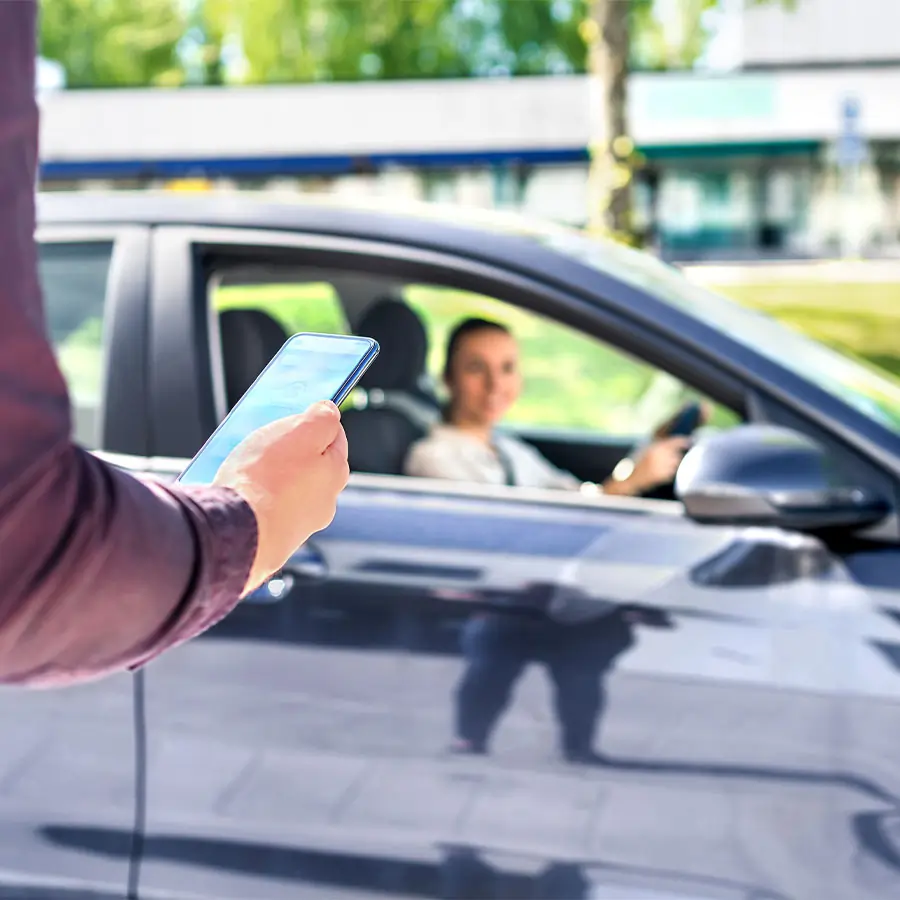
(756, 143)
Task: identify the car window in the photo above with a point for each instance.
(74, 278)
(873, 392)
(571, 380)
(302, 306)
(292, 306)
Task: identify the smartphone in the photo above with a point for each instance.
(687, 421)
(308, 368)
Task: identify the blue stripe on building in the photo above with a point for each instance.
(338, 164)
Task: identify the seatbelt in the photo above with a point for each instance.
(506, 463)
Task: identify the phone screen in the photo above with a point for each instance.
(308, 368)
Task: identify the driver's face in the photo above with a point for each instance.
(484, 380)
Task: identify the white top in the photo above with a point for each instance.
(451, 453)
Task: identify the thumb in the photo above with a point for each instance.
(318, 426)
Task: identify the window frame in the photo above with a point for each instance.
(123, 407)
(188, 255)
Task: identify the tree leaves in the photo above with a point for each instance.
(124, 43)
(105, 43)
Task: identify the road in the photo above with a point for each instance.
(706, 790)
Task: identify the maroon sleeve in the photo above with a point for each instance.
(98, 570)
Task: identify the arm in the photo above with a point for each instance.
(547, 475)
(98, 571)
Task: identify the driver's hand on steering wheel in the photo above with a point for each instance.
(658, 462)
(655, 465)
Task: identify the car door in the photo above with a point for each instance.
(659, 704)
(67, 780)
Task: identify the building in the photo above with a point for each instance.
(795, 150)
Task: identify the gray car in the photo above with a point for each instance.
(688, 695)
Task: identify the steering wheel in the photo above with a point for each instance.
(683, 424)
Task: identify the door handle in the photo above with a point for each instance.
(423, 570)
(307, 563)
(272, 590)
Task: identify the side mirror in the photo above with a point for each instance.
(771, 476)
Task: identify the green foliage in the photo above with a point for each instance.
(542, 36)
(123, 43)
(310, 306)
(344, 40)
(654, 47)
(861, 320)
(113, 43)
(338, 40)
(657, 48)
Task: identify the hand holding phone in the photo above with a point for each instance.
(290, 473)
(281, 449)
(307, 369)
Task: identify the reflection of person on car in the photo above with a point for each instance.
(498, 646)
(482, 375)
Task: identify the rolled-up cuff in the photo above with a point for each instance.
(226, 536)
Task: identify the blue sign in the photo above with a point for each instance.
(851, 148)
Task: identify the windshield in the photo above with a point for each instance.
(870, 391)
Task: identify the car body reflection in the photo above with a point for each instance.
(451, 872)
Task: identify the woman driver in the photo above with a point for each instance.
(482, 374)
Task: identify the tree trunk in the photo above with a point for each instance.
(612, 149)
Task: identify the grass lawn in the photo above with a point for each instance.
(861, 319)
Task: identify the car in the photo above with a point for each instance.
(728, 649)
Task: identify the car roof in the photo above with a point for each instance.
(463, 230)
(211, 206)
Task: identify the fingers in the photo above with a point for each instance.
(320, 425)
(338, 451)
(335, 456)
(324, 409)
(675, 450)
(339, 445)
(665, 448)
